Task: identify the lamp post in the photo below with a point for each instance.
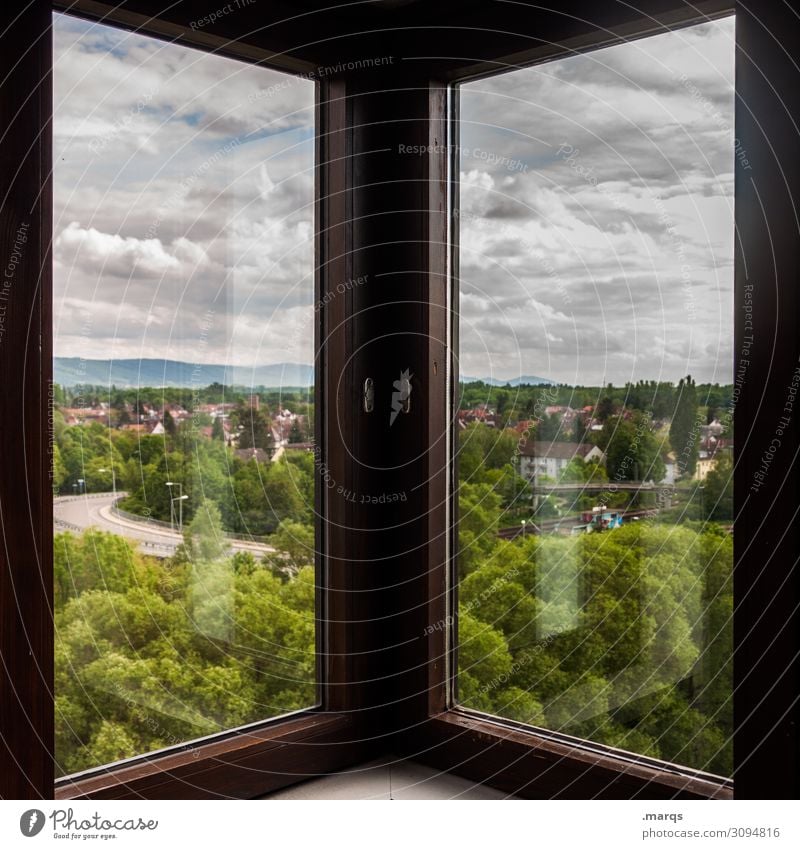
(523, 528)
(180, 499)
(81, 485)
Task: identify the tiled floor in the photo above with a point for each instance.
(388, 779)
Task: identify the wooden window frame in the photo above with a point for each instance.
(383, 578)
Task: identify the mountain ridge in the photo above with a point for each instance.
(128, 373)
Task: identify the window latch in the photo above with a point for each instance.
(369, 395)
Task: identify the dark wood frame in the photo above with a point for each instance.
(385, 575)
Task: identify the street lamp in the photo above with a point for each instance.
(180, 499)
(523, 528)
(81, 485)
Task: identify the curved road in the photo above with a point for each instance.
(79, 512)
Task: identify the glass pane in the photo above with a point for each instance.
(184, 326)
(597, 389)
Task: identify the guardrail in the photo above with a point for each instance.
(141, 520)
(159, 523)
(60, 499)
(67, 526)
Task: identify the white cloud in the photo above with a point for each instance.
(627, 234)
(183, 188)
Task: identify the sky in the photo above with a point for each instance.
(596, 210)
(183, 192)
(596, 219)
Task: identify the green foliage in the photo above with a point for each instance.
(632, 450)
(481, 449)
(684, 433)
(718, 495)
(155, 653)
(255, 431)
(623, 637)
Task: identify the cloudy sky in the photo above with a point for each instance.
(596, 209)
(183, 203)
(597, 214)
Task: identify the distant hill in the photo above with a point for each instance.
(525, 379)
(71, 371)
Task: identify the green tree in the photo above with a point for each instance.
(684, 433)
(255, 429)
(204, 537)
(169, 424)
(632, 450)
(718, 495)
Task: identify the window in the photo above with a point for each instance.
(184, 412)
(383, 262)
(595, 426)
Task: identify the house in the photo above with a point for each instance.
(248, 454)
(483, 413)
(709, 451)
(549, 459)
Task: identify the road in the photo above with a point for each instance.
(78, 512)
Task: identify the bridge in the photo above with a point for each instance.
(607, 486)
(77, 513)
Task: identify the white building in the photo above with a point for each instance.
(538, 459)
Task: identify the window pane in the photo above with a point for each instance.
(184, 326)
(597, 389)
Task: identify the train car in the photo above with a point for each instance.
(599, 519)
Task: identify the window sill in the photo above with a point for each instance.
(534, 764)
(240, 766)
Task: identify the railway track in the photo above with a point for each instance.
(551, 526)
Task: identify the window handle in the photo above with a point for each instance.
(369, 395)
